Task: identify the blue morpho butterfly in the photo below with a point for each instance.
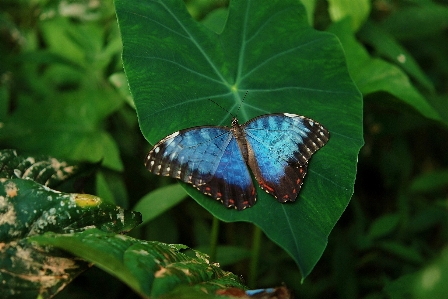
(214, 159)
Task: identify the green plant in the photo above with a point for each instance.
(63, 93)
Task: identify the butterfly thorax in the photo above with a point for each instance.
(240, 137)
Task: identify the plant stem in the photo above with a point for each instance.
(214, 239)
(253, 267)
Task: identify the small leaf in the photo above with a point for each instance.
(310, 6)
(152, 269)
(383, 226)
(358, 10)
(216, 19)
(435, 181)
(119, 81)
(158, 201)
(405, 252)
(102, 188)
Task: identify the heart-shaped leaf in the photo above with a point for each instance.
(175, 65)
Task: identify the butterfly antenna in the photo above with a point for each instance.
(222, 107)
(242, 101)
(228, 110)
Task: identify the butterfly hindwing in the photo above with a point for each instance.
(280, 146)
(208, 158)
(231, 183)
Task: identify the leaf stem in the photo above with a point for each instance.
(214, 239)
(253, 267)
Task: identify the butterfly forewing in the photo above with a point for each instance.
(280, 146)
(209, 159)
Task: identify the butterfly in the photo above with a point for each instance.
(215, 159)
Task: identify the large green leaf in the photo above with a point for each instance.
(152, 269)
(175, 65)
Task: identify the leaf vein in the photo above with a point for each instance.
(280, 54)
(180, 103)
(182, 66)
(196, 43)
(300, 88)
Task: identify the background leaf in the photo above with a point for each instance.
(175, 65)
(44, 170)
(357, 10)
(61, 88)
(155, 203)
(388, 47)
(76, 135)
(152, 269)
(29, 209)
(379, 75)
(427, 17)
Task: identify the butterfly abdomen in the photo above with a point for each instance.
(240, 137)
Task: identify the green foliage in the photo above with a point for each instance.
(150, 202)
(28, 209)
(44, 170)
(152, 269)
(63, 94)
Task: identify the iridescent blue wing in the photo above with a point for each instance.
(280, 146)
(208, 158)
